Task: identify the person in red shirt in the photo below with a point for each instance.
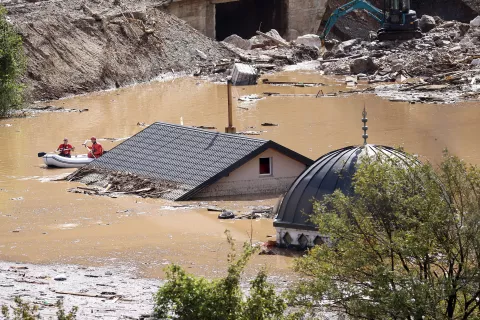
(65, 149)
(96, 150)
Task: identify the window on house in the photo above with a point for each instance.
(266, 166)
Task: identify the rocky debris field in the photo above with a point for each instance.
(269, 51)
(77, 47)
(443, 66)
(99, 293)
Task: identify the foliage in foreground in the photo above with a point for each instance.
(407, 246)
(25, 311)
(12, 66)
(185, 296)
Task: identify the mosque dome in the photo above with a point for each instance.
(332, 171)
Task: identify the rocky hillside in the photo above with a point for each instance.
(75, 46)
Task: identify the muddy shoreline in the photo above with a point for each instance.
(99, 292)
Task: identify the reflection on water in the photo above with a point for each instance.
(53, 225)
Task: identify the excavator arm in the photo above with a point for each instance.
(373, 11)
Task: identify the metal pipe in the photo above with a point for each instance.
(230, 115)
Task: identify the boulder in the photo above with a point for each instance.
(427, 23)
(438, 20)
(475, 22)
(338, 68)
(238, 42)
(372, 35)
(328, 55)
(449, 24)
(464, 27)
(339, 53)
(347, 45)
(475, 62)
(262, 42)
(310, 40)
(442, 43)
(363, 65)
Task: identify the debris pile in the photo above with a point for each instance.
(112, 184)
(269, 51)
(448, 57)
(257, 212)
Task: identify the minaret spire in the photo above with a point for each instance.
(365, 127)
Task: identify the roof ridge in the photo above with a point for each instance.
(210, 132)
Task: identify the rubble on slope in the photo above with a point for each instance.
(448, 55)
(76, 47)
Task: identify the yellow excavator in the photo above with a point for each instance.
(398, 21)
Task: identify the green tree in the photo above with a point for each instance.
(405, 246)
(26, 311)
(12, 67)
(186, 297)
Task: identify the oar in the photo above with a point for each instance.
(41, 154)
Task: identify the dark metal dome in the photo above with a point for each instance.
(330, 172)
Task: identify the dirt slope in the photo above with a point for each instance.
(81, 46)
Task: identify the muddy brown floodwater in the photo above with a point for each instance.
(40, 222)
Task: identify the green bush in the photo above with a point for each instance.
(25, 311)
(185, 296)
(405, 246)
(12, 67)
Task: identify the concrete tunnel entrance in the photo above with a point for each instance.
(245, 17)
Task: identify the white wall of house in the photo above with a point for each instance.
(247, 179)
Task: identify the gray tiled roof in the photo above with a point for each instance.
(189, 157)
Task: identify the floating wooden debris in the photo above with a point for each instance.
(295, 84)
(250, 133)
(250, 97)
(205, 127)
(310, 95)
(269, 124)
(215, 209)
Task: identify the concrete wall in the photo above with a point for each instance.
(296, 238)
(304, 17)
(200, 14)
(246, 180)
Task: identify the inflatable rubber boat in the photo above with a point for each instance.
(54, 160)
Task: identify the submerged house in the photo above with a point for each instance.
(193, 163)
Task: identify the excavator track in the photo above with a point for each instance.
(390, 35)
